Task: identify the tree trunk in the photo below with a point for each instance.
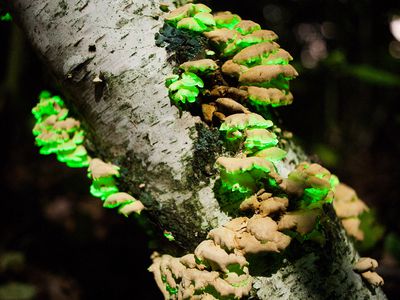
(167, 157)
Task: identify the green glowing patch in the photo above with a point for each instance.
(103, 187)
(7, 17)
(226, 20)
(247, 27)
(191, 24)
(259, 139)
(185, 89)
(244, 174)
(273, 154)
(168, 235)
(205, 18)
(244, 121)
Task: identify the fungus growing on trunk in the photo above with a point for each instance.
(56, 133)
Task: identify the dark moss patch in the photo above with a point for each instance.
(206, 149)
(183, 45)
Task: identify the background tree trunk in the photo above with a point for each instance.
(131, 123)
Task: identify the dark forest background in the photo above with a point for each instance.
(56, 241)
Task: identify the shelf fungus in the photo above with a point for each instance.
(213, 274)
(348, 207)
(254, 54)
(268, 76)
(56, 133)
(247, 27)
(102, 174)
(202, 66)
(258, 139)
(312, 183)
(125, 202)
(273, 154)
(184, 88)
(366, 267)
(240, 122)
(226, 19)
(302, 221)
(261, 97)
(246, 174)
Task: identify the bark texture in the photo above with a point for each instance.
(131, 123)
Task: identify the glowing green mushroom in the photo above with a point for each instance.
(226, 19)
(247, 27)
(246, 174)
(240, 122)
(191, 24)
(273, 154)
(259, 139)
(102, 174)
(277, 76)
(185, 89)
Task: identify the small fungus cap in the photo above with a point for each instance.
(265, 73)
(243, 121)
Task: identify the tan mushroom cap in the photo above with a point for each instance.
(229, 92)
(255, 51)
(118, 198)
(280, 54)
(233, 164)
(247, 26)
(352, 227)
(302, 220)
(246, 120)
(225, 16)
(365, 264)
(373, 278)
(135, 207)
(231, 105)
(217, 257)
(201, 64)
(221, 36)
(180, 12)
(265, 73)
(273, 205)
(233, 69)
(346, 203)
(269, 95)
(264, 35)
(100, 169)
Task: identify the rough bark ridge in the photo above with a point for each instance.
(132, 124)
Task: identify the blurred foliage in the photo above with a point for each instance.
(373, 231)
(17, 291)
(392, 245)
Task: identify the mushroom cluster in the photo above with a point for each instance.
(348, 208)
(57, 133)
(250, 72)
(366, 267)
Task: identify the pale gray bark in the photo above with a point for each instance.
(131, 123)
